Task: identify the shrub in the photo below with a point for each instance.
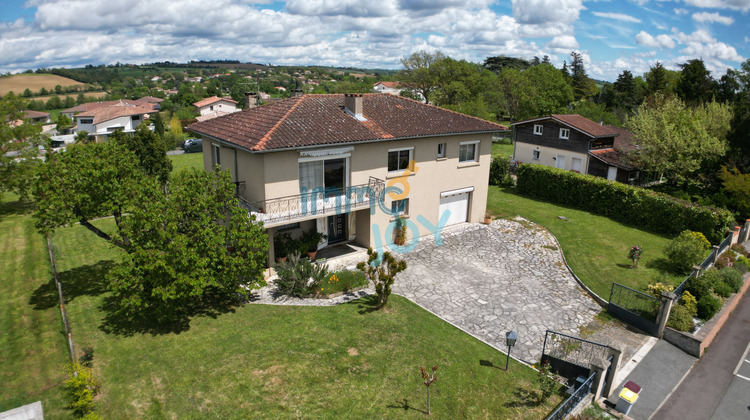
(743, 264)
(547, 381)
(87, 357)
(685, 251)
(740, 250)
(381, 269)
(732, 278)
(680, 319)
(699, 286)
(688, 301)
(635, 254)
(638, 206)
(708, 305)
(500, 171)
(80, 388)
(656, 289)
(702, 239)
(342, 281)
(722, 289)
(299, 276)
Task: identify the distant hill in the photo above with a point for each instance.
(34, 82)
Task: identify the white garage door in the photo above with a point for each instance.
(457, 202)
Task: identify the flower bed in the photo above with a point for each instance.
(340, 282)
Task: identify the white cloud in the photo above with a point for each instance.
(701, 44)
(660, 41)
(563, 42)
(743, 5)
(712, 17)
(680, 11)
(547, 11)
(617, 16)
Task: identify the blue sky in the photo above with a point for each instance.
(611, 35)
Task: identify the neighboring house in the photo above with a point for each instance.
(101, 121)
(391, 88)
(575, 143)
(214, 106)
(155, 103)
(352, 146)
(36, 116)
(147, 101)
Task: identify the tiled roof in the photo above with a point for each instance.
(211, 115)
(578, 122)
(209, 101)
(626, 141)
(119, 109)
(312, 120)
(89, 106)
(35, 114)
(150, 99)
(612, 157)
(392, 85)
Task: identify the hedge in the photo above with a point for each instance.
(644, 208)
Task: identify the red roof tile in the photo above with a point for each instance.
(119, 109)
(312, 120)
(579, 123)
(213, 99)
(612, 157)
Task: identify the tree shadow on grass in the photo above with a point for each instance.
(173, 319)
(488, 363)
(523, 397)
(11, 208)
(367, 304)
(662, 264)
(86, 280)
(404, 405)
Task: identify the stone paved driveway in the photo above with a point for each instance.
(488, 280)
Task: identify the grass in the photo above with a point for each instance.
(342, 281)
(34, 82)
(502, 149)
(187, 160)
(595, 247)
(269, 361)
(32, 342)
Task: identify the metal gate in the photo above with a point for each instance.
(636, 308)
(570, 356)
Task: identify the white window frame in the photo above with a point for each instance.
(441, 150)
(476, 151)
(565, 133)
(405, 212)
(216, 154)
(400, 149)
(538, 129)
(536, 154)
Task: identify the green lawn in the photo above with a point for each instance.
(595, 247)
(32, 341)
(282, 361)
(187, 160)
(502, 149)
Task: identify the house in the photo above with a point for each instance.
(155, 103)
(324, 161)
(214, 106)
(101, 121)
(148, 101)
(575, 143)
(36, 116)
(391, 88)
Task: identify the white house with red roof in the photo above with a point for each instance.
(391, 88)
(103, 120)
(215, 106)
(323, 162)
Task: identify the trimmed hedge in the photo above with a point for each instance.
(634, 205)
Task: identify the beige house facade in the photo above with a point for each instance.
(348, 166)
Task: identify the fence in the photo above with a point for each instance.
(571, 356)
(564, 409)
(636, 308)
(71, 348)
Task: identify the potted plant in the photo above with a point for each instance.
(487, 218)
(281, 246)
(310, 241)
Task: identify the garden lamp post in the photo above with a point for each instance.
(510, 340)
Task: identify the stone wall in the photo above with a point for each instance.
(695, 344)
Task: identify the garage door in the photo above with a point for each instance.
(457, 202)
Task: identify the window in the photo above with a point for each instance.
(288, 226)
(398, 160)
(468, 152)
(400, 207)
(211, 108)
(217, 155)
(538, 129)
(441, 150)
(86, 121)
(135, 118)
(564, 133)
(536, 154)
(576, 164)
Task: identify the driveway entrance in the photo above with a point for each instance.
(488, 280)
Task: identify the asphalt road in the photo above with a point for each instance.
(718, 387)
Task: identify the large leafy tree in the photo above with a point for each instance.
(19, 145)
(675, 139)
(550, 93)
(191, 243)
(149, 148)
(739, 135)
(514, 90)
(419, 73)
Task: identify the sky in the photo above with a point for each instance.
(612, 36)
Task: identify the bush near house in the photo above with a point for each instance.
(638, 206)
(685, 251)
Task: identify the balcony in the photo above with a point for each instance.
(312, 205)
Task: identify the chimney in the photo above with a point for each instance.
(353, 105)
(251, 100)
(296, 92)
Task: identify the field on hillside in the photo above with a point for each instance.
(73, 95)
(34, 82)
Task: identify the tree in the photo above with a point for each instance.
(514, 88)
(549, 92)
(19, 145)
(595, 112)
(82, 137)
(158, 122)
(381, 268)
(27, 93)
(696, 85)
(656, 79)
(497, 64)
(150, 150)
(193, 243)
(63, 124)
(583, 87)
(626, 93)
(737, 187)
(54, 103)
(674, 139)
(419, 73)
(174, 137)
